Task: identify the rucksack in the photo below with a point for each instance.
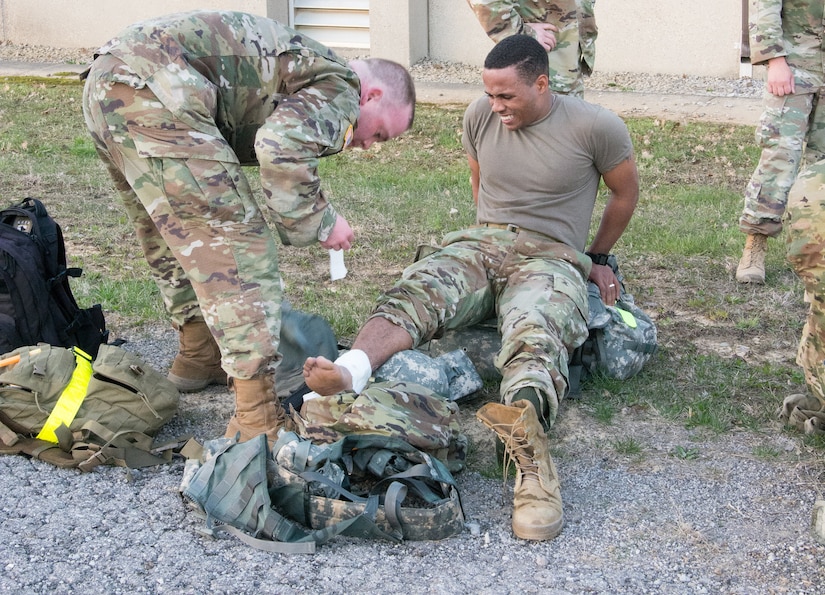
(301, 493)
(69, 409)
(36, 301)
(621, 338)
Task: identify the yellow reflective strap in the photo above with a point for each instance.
(627, 317)
(70, 399)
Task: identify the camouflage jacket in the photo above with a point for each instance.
(575, 19)
(254, 92)
(790, 28)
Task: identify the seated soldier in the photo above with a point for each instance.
(536, 161)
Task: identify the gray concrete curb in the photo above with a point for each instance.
(732, 110)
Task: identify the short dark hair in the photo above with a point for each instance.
(521, 51)
(398, 81)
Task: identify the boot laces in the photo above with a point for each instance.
(517, 451)
(758, 249)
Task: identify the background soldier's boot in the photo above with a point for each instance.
(198, 362)
(804, 412)
(751, 267)
(257, 409)
(537, 507)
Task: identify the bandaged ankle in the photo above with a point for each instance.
(359, 367)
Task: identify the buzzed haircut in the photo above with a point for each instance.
(521, 51)
(398, 81)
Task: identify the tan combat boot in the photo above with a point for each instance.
(257, 409)
(537, 507)
(751, 267)
(198, 362)
(804, 412)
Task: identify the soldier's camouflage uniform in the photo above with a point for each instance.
(575, 53)
(805, 225)
(790, 124)
(176, 106)
(533, 285)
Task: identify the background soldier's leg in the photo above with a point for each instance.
(781, 134)
(805, 224)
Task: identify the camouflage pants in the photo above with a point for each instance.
(805, 225)
(566, 76)
(791, 130)
(527, 281)
(210, 251)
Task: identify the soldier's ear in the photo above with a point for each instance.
(371, 93)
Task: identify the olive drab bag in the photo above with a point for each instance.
(69, 409)
(299, 493)
(621, 338)
(36, 300)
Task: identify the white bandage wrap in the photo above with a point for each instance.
(358, 365)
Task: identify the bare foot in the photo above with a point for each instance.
(325, 377)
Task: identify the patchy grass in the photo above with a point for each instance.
(726, 356)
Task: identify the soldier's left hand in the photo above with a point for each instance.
(608, 284)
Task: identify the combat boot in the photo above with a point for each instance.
(537, 506)
(257, 409)
(751, 267)
(198, 362)
(804, 412)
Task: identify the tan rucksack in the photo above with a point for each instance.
(61, 406)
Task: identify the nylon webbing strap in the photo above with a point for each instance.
(68, 404)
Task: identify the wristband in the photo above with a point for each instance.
(598, 258)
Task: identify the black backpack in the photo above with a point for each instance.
(36, 301)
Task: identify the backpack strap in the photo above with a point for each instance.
(67, 406)
(574, 373)
(129, 449)
(267, 545)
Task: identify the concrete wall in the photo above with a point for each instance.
(399, 30)
(702, 37)
(90, 23)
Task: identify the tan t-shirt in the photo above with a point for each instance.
(545, 177)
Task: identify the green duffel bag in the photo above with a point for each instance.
(62, 406)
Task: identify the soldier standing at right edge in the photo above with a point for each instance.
(787, 35)
(805, 225)
(565, 28)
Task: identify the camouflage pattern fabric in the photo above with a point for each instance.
(404, 410)
(451, 375)
(617, 346)
(302, 494)
(791, 130)
(359, 486)
(575, 53)
(534, 286)
(174, 113)
(805, 225)
(622, 337)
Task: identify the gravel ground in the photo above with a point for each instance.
(689, 513)
(719, 519)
